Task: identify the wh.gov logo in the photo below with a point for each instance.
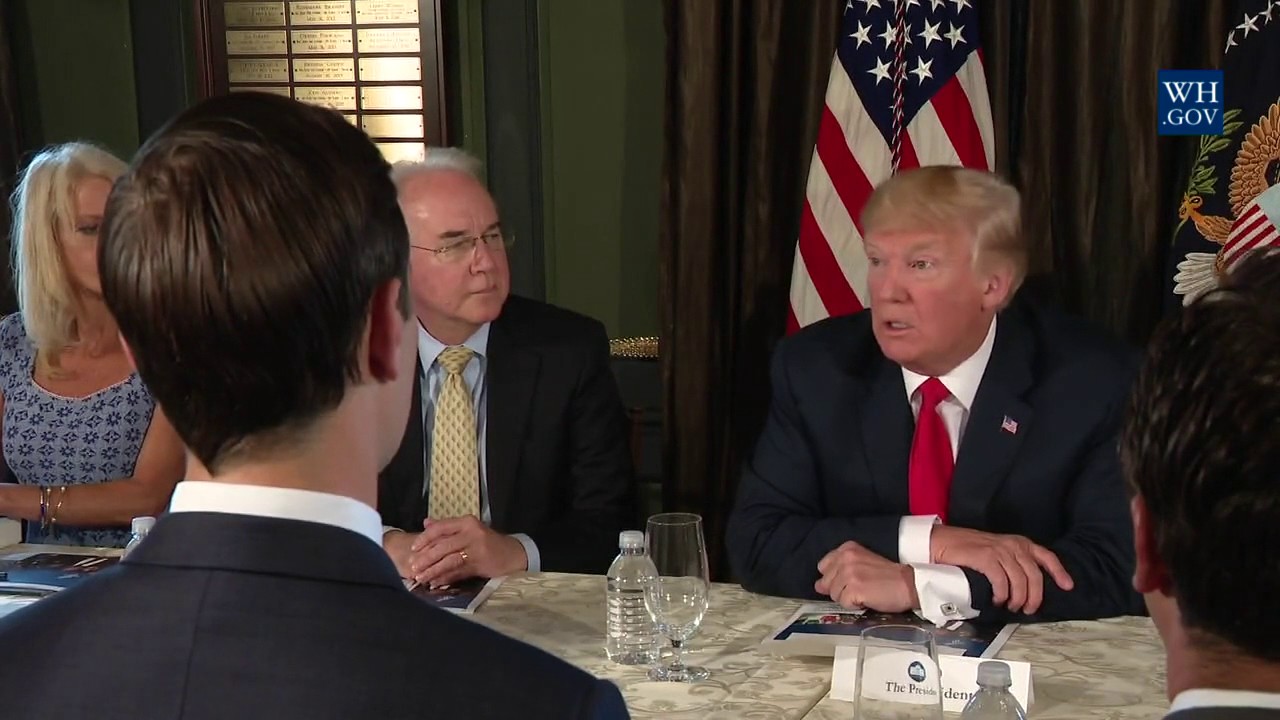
(1191, 102)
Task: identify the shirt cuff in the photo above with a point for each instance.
(944, 593)
(530, 552)
(914, 532)
(389, 529)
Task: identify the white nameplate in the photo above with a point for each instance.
(903, 677)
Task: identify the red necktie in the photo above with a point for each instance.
(931, 460)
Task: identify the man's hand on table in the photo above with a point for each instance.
(1014, 565)
(856, 577)
(447, 551)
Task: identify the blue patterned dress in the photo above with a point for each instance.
(54, 440)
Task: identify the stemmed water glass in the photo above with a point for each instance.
(677, 598)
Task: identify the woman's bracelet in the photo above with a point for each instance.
(53, 515)
(44, 507)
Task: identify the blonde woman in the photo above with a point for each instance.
(82, 436)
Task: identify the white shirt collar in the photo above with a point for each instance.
(964, 379)
(282, 503)
(430, 348)
(1211, 697)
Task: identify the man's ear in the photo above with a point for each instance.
(1150, 574)
(385, 330)
(997, 284)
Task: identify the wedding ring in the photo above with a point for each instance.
(465, 557)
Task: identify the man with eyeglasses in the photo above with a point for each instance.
(518, 459)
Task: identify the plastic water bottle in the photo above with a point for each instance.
(140, 527)
(993, 701)
(630, 637)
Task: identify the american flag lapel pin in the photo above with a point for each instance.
(1009, 425)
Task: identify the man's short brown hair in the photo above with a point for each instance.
(240, 254)
(1201, 448)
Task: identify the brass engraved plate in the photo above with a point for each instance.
(386, 12)
(283, 91)
(396, 126)
(314, 42)
(391, 69)
(409, 152)
(256, 42)
(253, 14)
(391, 97)
(388, 40)
(338, 98)
(324, 70)
(322, 12)
(258, 71)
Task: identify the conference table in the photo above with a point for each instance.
(1111, 669)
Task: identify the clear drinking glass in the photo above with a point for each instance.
(898, 675)
(678, 596)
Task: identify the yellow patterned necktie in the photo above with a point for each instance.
(455, 476)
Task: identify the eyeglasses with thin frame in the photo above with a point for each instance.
(462, 247)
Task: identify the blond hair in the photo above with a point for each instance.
(946, 198)
(44, 204)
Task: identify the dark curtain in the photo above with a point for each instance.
(1074, 82)
(10, 142)
(745, 86)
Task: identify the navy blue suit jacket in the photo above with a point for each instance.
(219, 616)
(831, 462)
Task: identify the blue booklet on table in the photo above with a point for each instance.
(45, 572)
(462, 597)
(817, 628)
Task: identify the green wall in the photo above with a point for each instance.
(602, 96)
(75, 72)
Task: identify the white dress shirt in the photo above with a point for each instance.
(282, 503)
(473, 374)
(943, 589)
(1212, 697)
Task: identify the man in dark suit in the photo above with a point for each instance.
(1201, 453)
(516, 457)
(256, 261)
(1004, 496)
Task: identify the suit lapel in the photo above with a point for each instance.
(887, 427)
(510, 378)
(998, 422)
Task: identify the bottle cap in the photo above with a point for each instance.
(142, 524)
(993, 673)
(628, 539)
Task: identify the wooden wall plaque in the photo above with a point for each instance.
(379, 62)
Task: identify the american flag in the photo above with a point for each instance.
(906, 89)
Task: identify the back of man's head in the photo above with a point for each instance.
(1201, 452)
(240, 254)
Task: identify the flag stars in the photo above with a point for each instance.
(930, 33)
(881, 70)
(955, 35)
(868, 4)
(862, 35)
(961, 4)
(935, 4)
(890, 33)
(1250, 24)
(921, 70)
(1231, 42)
(1267, 13)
